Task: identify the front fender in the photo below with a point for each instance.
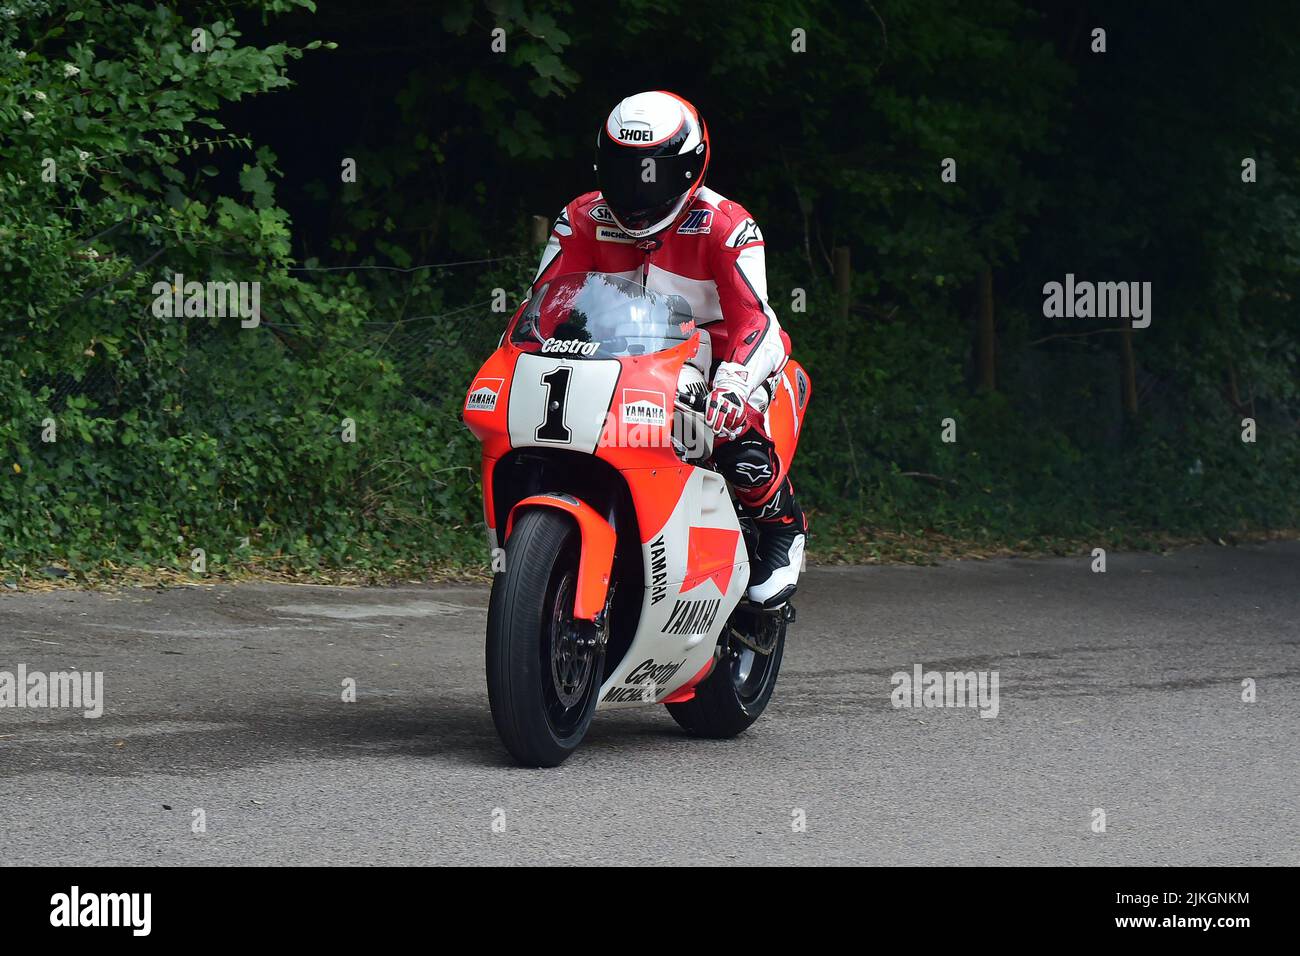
(596, 558)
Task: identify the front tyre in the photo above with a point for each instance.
(543, 667)
(736, 693)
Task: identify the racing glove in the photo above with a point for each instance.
(725, 410)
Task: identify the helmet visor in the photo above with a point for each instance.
(640, 187)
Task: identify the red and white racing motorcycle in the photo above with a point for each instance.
(621, 560)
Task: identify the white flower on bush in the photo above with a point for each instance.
(10, 12)
(21, 54)
(82, 155)
(70, 70)
(40, 95)
(28, 116)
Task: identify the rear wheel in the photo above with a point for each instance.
(736, 693)
(543, 667)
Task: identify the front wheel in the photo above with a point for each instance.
(543, 667)
(736, 693)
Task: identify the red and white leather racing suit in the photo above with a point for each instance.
(713, 257)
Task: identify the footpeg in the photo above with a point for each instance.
(760, 628)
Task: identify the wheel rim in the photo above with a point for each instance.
(748, 670)
(568, 658)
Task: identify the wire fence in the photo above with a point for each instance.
(433, 351)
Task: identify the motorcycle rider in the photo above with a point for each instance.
(654, 221)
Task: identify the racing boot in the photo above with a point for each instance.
(782, 529)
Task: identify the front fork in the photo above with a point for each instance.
(595, 633)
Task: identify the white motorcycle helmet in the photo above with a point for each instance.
(651, 157)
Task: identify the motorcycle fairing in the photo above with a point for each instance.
(586, 389)
(687, 564)
(696, 566)
(783, 417)
(696, 571)
(505, 407)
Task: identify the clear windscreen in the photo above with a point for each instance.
(594, 315)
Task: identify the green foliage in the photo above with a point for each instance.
(124, 164)
(173, 433)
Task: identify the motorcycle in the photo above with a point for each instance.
(621, 561)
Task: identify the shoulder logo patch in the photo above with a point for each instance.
(601, 213)
(744, 234)
(698, 222)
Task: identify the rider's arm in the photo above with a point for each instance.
(755, 347)
(564, 251)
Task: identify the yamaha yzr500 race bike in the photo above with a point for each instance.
(621, 559)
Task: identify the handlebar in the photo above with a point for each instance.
(692, 401)
(696, 402)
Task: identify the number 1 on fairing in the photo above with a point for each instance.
(552, 428)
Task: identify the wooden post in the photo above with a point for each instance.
(986, 335)
(540, 230)
(843, 278)
(1129, 383)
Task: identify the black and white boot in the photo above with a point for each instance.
(782, 530)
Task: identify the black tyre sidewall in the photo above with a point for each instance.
(716, 710)
(541, 539)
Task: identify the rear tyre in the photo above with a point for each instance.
(736, 693)
(543, 667)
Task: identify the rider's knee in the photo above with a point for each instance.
(746, 462)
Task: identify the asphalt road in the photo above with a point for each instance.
(1119, 692)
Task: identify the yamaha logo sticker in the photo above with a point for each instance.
(483, 395)
(641, 407)
(658, 571)
(692, 617)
